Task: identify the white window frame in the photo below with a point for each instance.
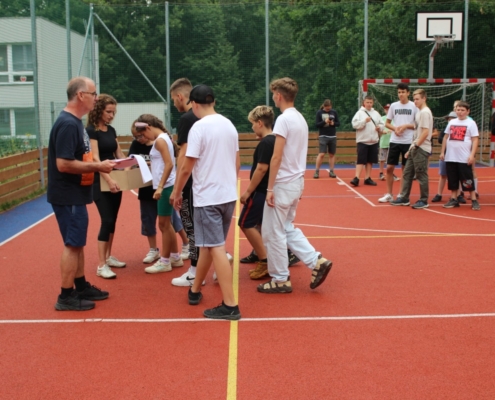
(10, 67)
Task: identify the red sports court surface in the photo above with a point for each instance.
(407, 312)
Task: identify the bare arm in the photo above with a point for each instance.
(278, 152)
(162, 147)
(258, 175)
(82, 167)
(180, 181)
(474, 148)
(444, 146)
(113, 186)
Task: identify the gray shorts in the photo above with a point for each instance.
(442, 168)
(212, 223)
(383, 154)
(327, 144)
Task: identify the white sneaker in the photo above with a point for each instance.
(105, 272)
(185, 252)
(153, 255)
(176, 263)
(386, 199)
(185, 279)
(113, 262)
(158, 267)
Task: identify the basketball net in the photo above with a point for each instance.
(445, 41)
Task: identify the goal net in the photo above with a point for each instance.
(442, 94)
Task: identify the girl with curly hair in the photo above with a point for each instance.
(105, 146)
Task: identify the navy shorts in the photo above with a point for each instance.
(73, 224)
(212, 223)
(252, 212)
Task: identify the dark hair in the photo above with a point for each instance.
(95, 114)
(368, 97)
(326, 103)
(464, 104)
(155, 122)
(403, 86)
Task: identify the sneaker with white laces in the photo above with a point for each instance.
(386, 199)
(176, 263)
(105, 272)
(158, 267)
(186, 279)
(152, 256)
(185, 252)
(113, 262)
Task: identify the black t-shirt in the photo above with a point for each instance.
(69, 140)
(144, 193)
(323, 128)
(107, 146)
(263, 154)
(184, 125)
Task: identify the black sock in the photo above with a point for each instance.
(264, 260)
(80, 283)
(66, 292)
(230, 308)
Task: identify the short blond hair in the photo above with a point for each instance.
(264, 114)
(287, 87)
(421, 92)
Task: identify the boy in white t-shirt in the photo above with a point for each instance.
(462, 137)
(212, 156)
(285, 188)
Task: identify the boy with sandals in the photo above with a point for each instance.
(212, 157)
(285, 188)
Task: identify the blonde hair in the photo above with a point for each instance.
(421, 92)
(264, 114)
(287, 87)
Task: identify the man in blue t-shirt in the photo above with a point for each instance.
(70, 177)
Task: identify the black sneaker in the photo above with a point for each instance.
(317, 174)
(461, 199)
(420, 204)
(437, 198)
(73, 303)
(475, 205)
(194, 298)
(250, 259)
(292, 258)
(222, 312)
(355, 181)
(92, 293)
(370, 182)
(331, 174)
(400, 201)
(451, 204)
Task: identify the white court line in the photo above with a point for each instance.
(355, 191)
(26, 229)
(459, 216)
(268, 319)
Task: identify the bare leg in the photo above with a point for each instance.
(102, 253)
(319, 160)
(254, 237)
(169, 239)
(183, 236)
(71, 265)
(441, 184)
(152, 241)
(390, 178)
(224, 274)
(368, 170)
(331, 161)
(359, 169)
(202, 268)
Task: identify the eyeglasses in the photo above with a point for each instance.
(139, 136)
(94, 94)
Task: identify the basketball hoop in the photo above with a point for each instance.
(444, 41)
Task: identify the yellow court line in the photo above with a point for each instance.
(234, 325)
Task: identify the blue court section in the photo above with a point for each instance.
(23, 216)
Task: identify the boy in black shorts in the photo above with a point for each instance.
(261, 118)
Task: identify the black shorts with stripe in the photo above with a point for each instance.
(252, 212)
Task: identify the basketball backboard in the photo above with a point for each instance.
(431, 24)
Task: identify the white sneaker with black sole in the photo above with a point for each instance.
(185, 279)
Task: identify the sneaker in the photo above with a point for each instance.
(113, 262)
(396, 178)
(320, 272)
(260, 271)
(105, 272)
(386, 199)
(194, 298)
(331, 174)
(475, 205)
(461, 199)
(400, 201)
(186, 279)
(381, 177)
(355, 181)
(292, 258)
(251, 258)
(176, 263)
(222, 312)
(275, 287)
(316, 174)
(451, 204)
(230, 258)
(437, 198)
(185, 252)
(73, 303)
(370, 182)
(92, 293)
(152, 256)
(420, 204)
(158, 267)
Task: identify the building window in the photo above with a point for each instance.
(18, 122)
(5, 123)
(16, 63)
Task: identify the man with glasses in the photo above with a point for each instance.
(70, 177)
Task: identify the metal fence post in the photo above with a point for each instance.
(67, 28)
(167, 61)
(365, 39)
(267, 53)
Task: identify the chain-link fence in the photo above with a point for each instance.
(235, 48)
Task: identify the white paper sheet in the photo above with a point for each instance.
(132, 160)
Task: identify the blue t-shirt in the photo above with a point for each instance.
(69, 140)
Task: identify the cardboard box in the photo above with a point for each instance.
(127, 180)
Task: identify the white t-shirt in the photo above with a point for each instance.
(460, 134)
(293, 127)
(401, 114)
(158, 165)
(214, 142)
(424, 119)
